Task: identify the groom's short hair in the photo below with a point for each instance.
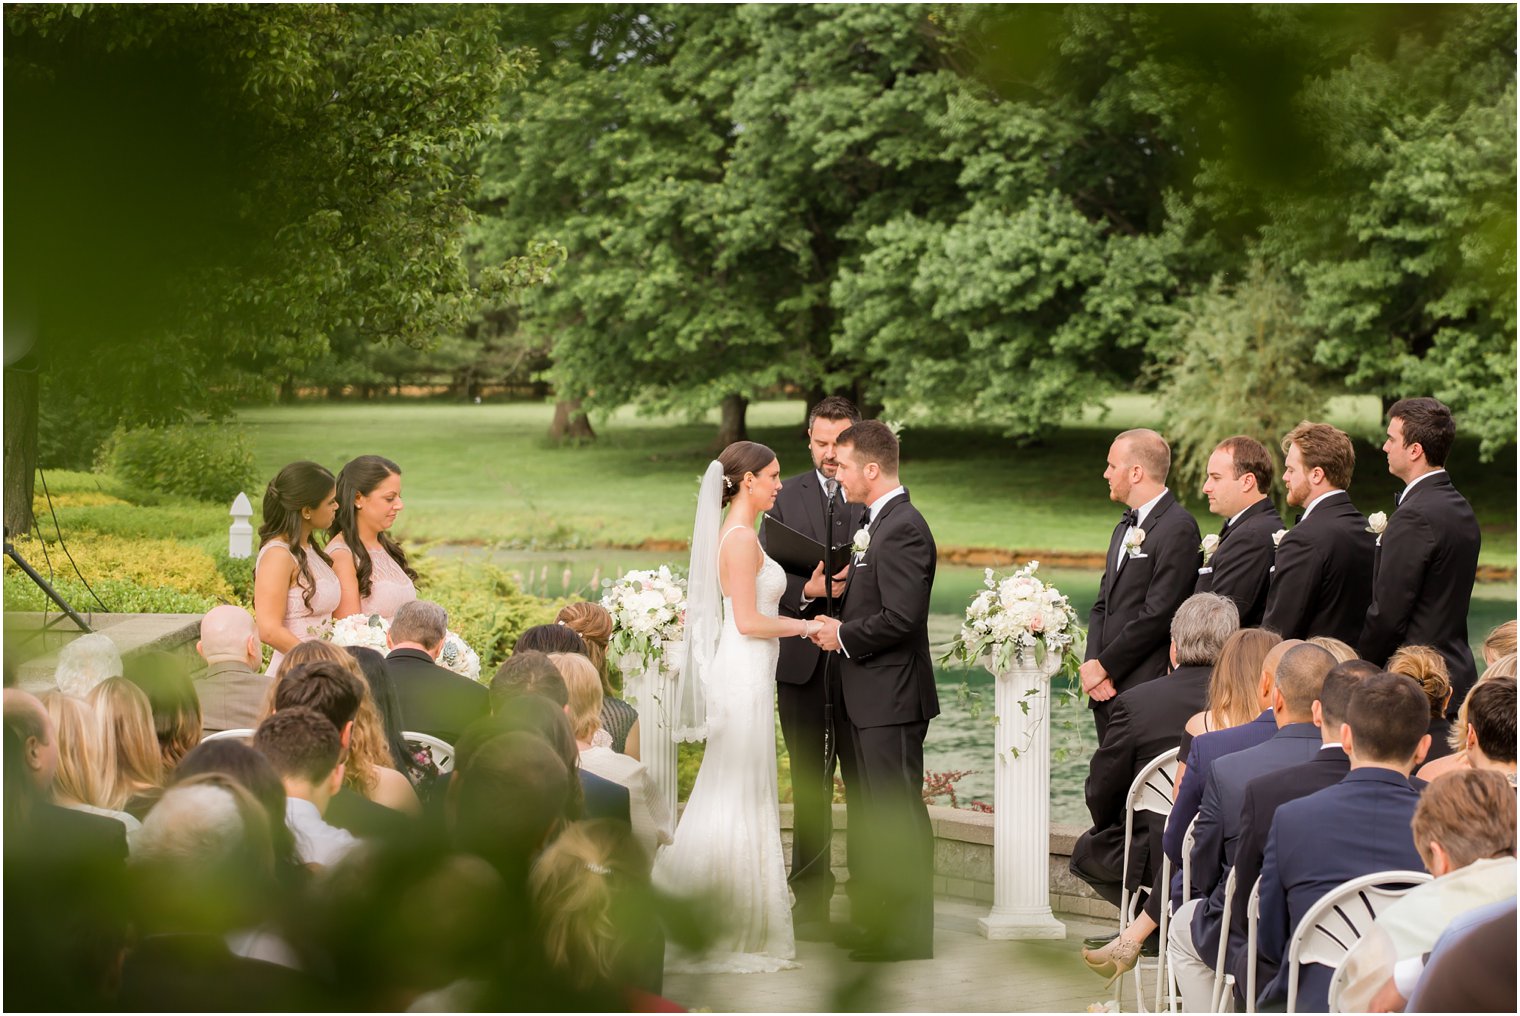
(873, 441)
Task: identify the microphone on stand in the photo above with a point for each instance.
(831, 488)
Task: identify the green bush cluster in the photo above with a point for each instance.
(485, 606)
(204, 461)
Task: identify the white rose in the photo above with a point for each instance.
(1210, 544)
(1277, 537)
(1377, 522)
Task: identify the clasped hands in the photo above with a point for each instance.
(1095, 681)
(827, 635)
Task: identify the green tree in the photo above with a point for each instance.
(214, 193)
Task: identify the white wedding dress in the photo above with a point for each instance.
(728, 842)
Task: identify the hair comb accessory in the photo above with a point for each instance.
(728, 483)
(598, 869)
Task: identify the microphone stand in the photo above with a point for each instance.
(831, 487)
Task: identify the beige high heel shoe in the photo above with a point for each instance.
(1114, 960)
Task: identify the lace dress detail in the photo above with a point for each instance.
(305, 622)
(728, 842)
(389, 587)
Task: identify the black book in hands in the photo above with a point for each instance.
(797, 553)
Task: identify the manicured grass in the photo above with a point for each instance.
(487, 473)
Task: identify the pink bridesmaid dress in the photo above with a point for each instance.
(305, 622)
(389, 586)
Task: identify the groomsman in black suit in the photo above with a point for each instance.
(802, 686)
(1427, 557)
(1322, 578)
(882, 638)
(1152, 566)
(1240, 563)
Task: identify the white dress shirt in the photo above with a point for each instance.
(874, 508)
(316, 841)
(647, 810)
(1140, 514)
(1310, 506)
(1410, 485)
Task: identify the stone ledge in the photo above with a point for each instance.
(132, 634)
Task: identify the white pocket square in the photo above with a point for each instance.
(1207, 570)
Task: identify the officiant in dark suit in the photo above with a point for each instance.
(887, 672)
(802, 687)
(1240, 563)
(1426, 559)
(1322, 576)
(1152, 565)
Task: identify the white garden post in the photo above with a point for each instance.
(1021, 801)
(240, 533)
(651, 690)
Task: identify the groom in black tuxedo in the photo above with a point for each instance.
(802, 685)
(1426, 560)
(882, 638)
(1152, 566)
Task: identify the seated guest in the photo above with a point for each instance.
(1335, 647)
(1357, 827)
(1499, 643)
(1474, 971)
(550, 638)
(382, 691)
(1235, 695)
(1265, 794)
(1464, 829)
(77, 784)
(204, 874)
(1428, 669)
(232, 687)
(255, 774)
(1144, 721)
(131, 761)
(304, 749)
(594, 625)
(1491, 727)
(165, 679)
(1504, 667)
(433, 700)
(652, 823)
(592, 900)
(1195, 932)
(508, 801)
(1215, 744)
(85, 662)
(371, 776)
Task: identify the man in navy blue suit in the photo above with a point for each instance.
(1195, 933)
(1357, 827)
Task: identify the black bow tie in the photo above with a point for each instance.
(865, 517)
(1225, 528)
(1298, 518)
(1130, 518)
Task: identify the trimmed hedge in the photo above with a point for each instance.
(485, 606)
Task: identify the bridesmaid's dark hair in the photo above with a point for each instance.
(739, 458)
(297, 486)
(361, 476)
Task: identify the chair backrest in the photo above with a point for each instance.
(441, 750)
(240, 734)
(1342, 916)
(1155, 787)
(1187, 860)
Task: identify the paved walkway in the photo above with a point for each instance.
(968, 974)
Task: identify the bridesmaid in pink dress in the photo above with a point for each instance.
(371, 567)
(294, 588)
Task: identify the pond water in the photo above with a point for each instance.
(960, 739)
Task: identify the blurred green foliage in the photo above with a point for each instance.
(200, 461)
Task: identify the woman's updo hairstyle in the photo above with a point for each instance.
(1428, 669)
(739, 458)
(298, 486)
(362, 476)
(594, 625)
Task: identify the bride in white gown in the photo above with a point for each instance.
(728, 843)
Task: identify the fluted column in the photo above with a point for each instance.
(1021, 802)
(651, 690)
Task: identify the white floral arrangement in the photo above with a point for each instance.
(1019, 617)
(648, 608)
(369, 630)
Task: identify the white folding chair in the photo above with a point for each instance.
(1339, 919)
(1253, 917)
(1153, 790)
(1223, 981)
(443, 751)
(1166, 911)
(240, 734)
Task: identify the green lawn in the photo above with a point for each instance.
(486, 473)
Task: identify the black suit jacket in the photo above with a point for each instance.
(1130, 628)
(1145, 721)
(1264, 795)
(1423, 572)
(800, 505)
(887, 673)
(1241, 567)
(434, 700)
(1322, 581)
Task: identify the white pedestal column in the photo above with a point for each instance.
(651, 690)
(1021, 802)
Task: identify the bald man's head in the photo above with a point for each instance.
(1300, 676)
(229, 633)
(28, 719)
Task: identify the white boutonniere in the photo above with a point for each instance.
(1376, 523)
(1277, 537)
(862, 541)
(1209, 545)
(1132, 541)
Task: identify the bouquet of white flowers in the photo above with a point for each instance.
(1019, 617)
(647, 608)
(369, 630)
